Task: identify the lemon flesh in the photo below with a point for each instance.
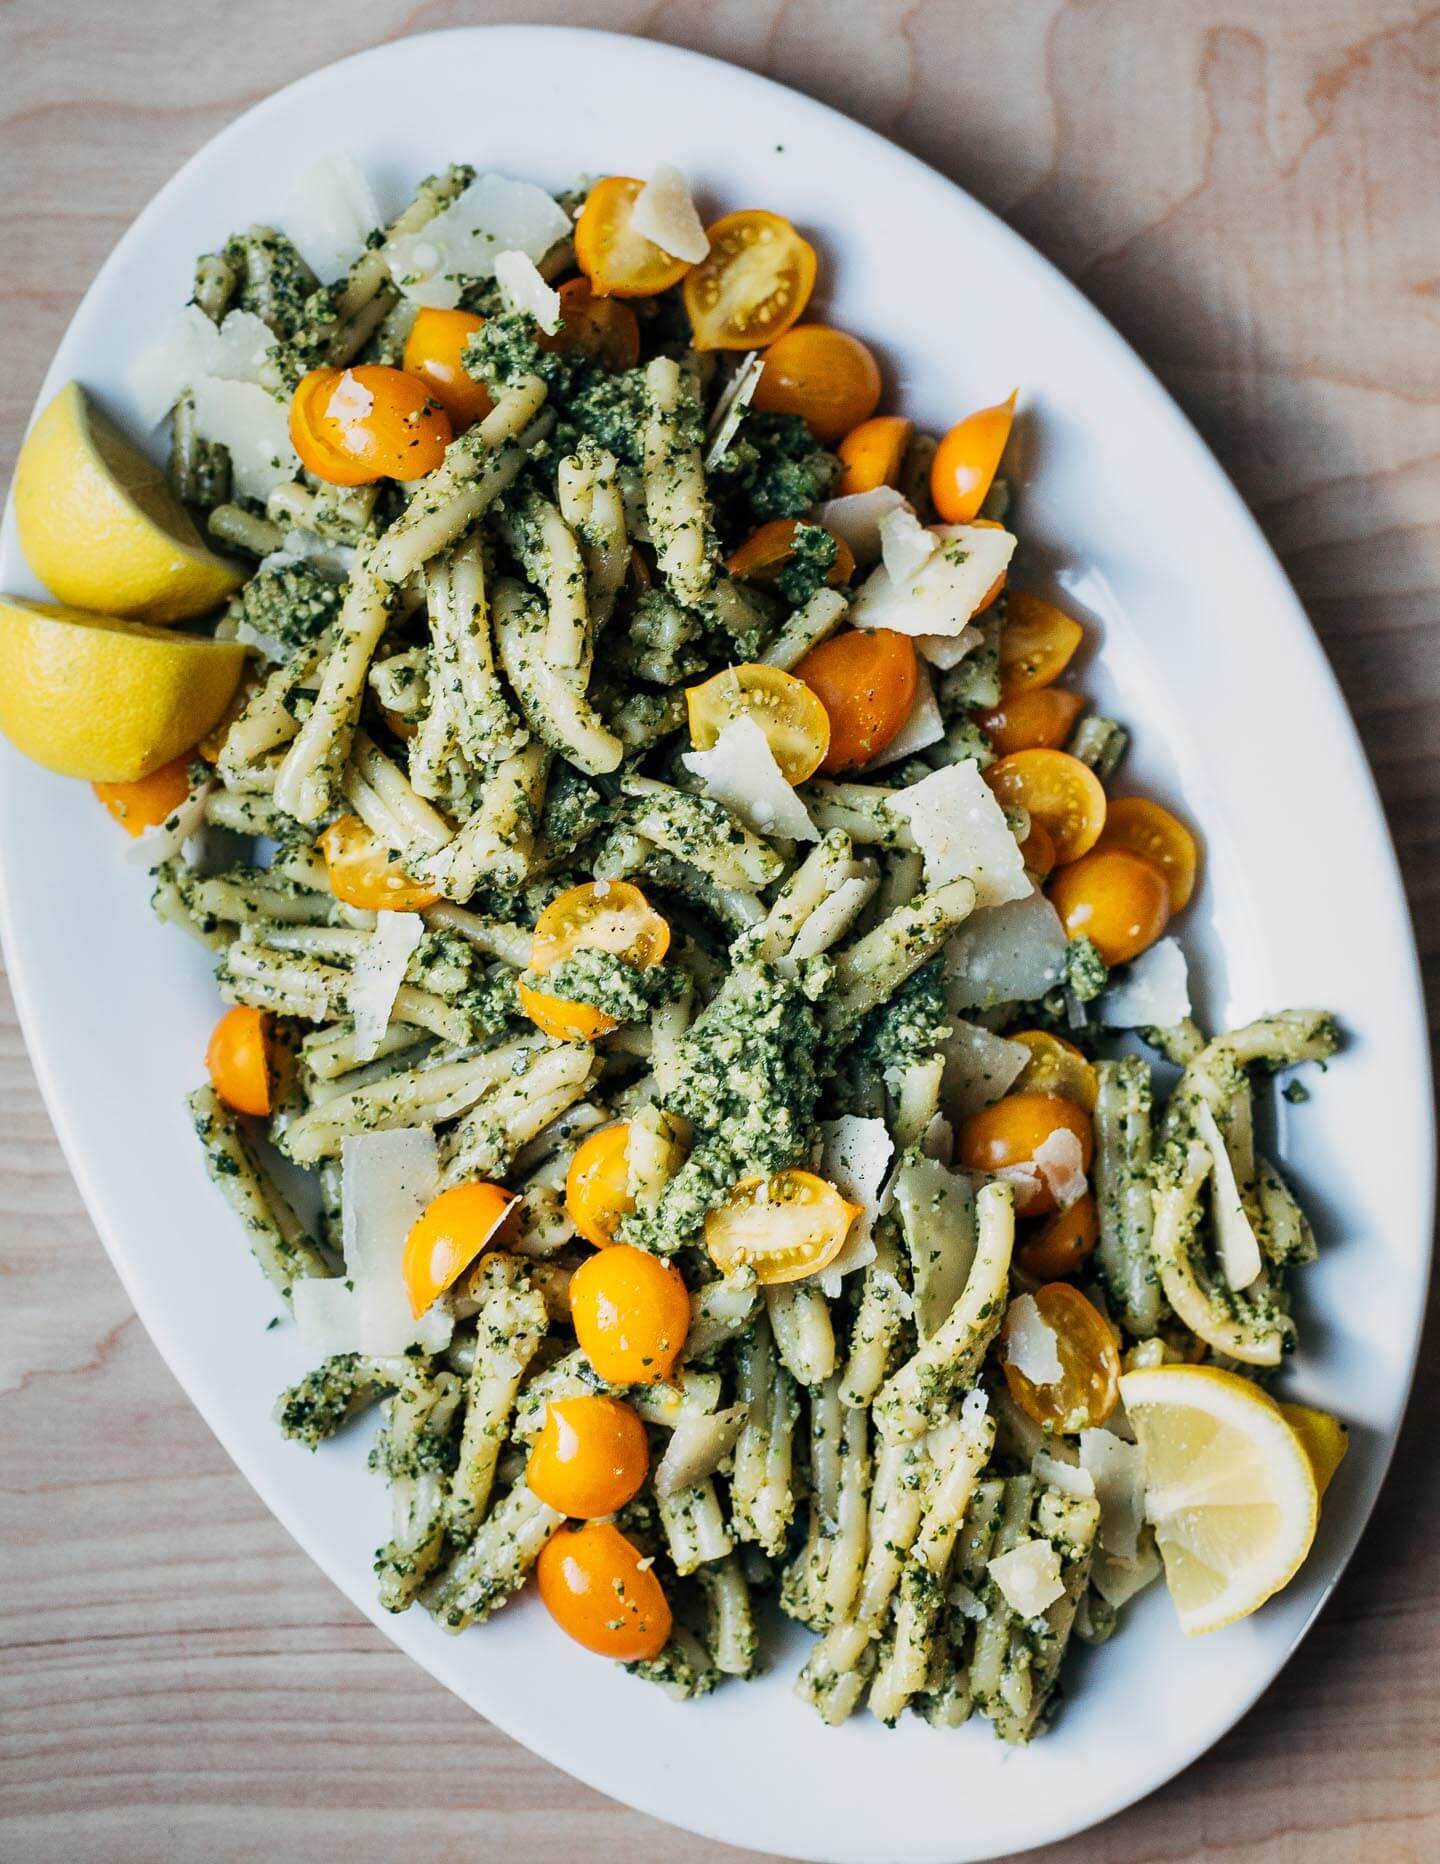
(101, 527)
(107, 700)
(1229, 1489)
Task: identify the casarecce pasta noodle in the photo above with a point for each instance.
(707, 961)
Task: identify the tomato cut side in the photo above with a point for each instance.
(754, 284)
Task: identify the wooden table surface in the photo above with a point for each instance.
(1247, 188)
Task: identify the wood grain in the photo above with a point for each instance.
(1247, 188)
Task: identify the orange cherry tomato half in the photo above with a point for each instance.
(753, 285)
(1011, 1130)
(1063, 1243)
(1055, 1067)
(618, 261)
(785, 1227)
(364, 872)
(631, 1314)
(1040, 719)
(240, 1061)
(866, 680)
(604, 329)
(590, 1457)
(826, 376)
(1037, 643)
(967, 460)
(562, 1019)
(597, 1185)
(447, 1236)
(1119, 900)
(147, 801)
(434, 352)
(602, 1592)
(1145, 828)
(1089, 1384)
(872, 454)
(1038, 853)
(1058, 791)
(354, 426)
(765, 553)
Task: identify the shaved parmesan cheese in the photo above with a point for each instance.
(1067, 1477)
(857, 518)
(905, 545)
(936, 1208)
(730, 408)
(379, 972)
(329, 215)
(1117, 1581)
(948, 650)
(1153, 992)
(1059, 1160)
(697, 1445)
(1030, 1342)
(938, 1142)
(328, 1316)
(163, 841)
(855, 1156)
(253, 427)
(947, 590)
(493, 215)
(974, 1407)
(337, 560)
(1239, 1251)
(525, 290)
(966, 1602)
(923, 726)
(665, 214)
(1010, 954)
(1118, 1470)
(1028, 1577)
(194, 348)
(979, 1067)
(740, 771)
(833, 917)
(961, 831)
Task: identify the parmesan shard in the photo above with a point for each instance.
(1117, 1581)
(378, 973)
(665, 214)
(1118, 1471)
(948, 650)
(253, 427)
(730, 408)
(740, 771)
(979, 1068)
(193, 349)
(1152, 993)
(961, 831)
(463, 241)
(951, 586)
(855, 1157)
(1060, 1162)
(1069, 1478)
(1008, 954)
(923, 726)
(1030, 1342)
(858, 516)
(525, 290)
(1028, 1577)
(905, 545)
(1240, 1259)
(329, 215)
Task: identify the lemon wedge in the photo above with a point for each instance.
(101, 527)
(1229, 1489)
(107, 700)
(1325, 1439)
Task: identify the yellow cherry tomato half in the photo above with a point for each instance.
(1055, 1067)
(364, 872)
(618, 261)
(434, 352)
(631, 1314)
(866, 679)
(370, 422)
(1062, 1243)
(1037, 643)
(602, 1592)
(1145, 828)
(1010, 1131)
(147, 801)
(1089, 1384)
(447, 1236)
(785, 1227)
(1119, 900)
(590, 1458)
(1040, 719)
(1057, 791)
(826, 376)
(752, 286)
(240, 1060)
(967, 460)
(766, 552)
(604, 329)
(600, 915)
(1038, 853)
(872, 454)
(793, 719)
(597, 1185)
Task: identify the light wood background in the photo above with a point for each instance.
(1248, 188)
